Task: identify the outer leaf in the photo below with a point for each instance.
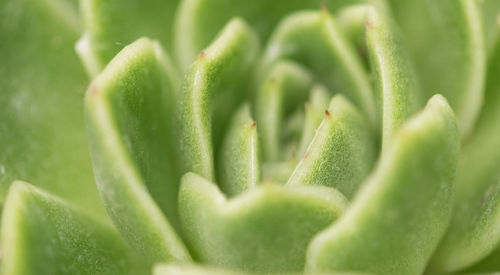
(42, 135)
(199, 20)
(43, 235)
(110, 25)
(129, 111)
(397, 219)
(240, 154)
(266, 229)
(286, 85)
(475, 229)
(341, 153)
(446, 41)
(213, 75)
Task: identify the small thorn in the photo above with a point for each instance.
(327, 113)
(306, 155)
(254, 124)
(202, 54)
(368, 25)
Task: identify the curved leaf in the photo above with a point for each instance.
(475, 228)
(446, 42)
(398, 91)
(266, 229)
(286, 85)
(315, 112)
(215, 74)
(42, 234)
(240, 154)
(398, 217)
(341, 153)
(129, 112)
(314, 40)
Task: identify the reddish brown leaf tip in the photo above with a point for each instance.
(306, 105)
(294, 155)
(202, 53)
(254, 124)
(327, 113)
(94, 90)
(323, 6)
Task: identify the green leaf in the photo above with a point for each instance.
(475, 228)
(42, 234)
(42, 134)
(315, 112)
(213, 77)
(110, 25)
(286, 85)
(403, 209)
(341, 153)
(314, 40)
(198, 21)
(446, 41)
(397, 88)
(240, 154)
(130, 115)
(266, 229)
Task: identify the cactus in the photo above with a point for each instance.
(250, 137)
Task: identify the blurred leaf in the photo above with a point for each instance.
(42, 234)
(130, 115)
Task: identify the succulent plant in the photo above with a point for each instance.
(250, 137)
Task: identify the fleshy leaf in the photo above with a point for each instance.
(42, 234)
(42, 134)
(341, 153)
(397, 87)
(130, 115)
(266, 229)
(314, 40)
(315, 112)
(198, 21)
(214, 75)
(399, 215)
(475, 228)
(240, 154)
(110, 25)
(446, 41)
(286, 85)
